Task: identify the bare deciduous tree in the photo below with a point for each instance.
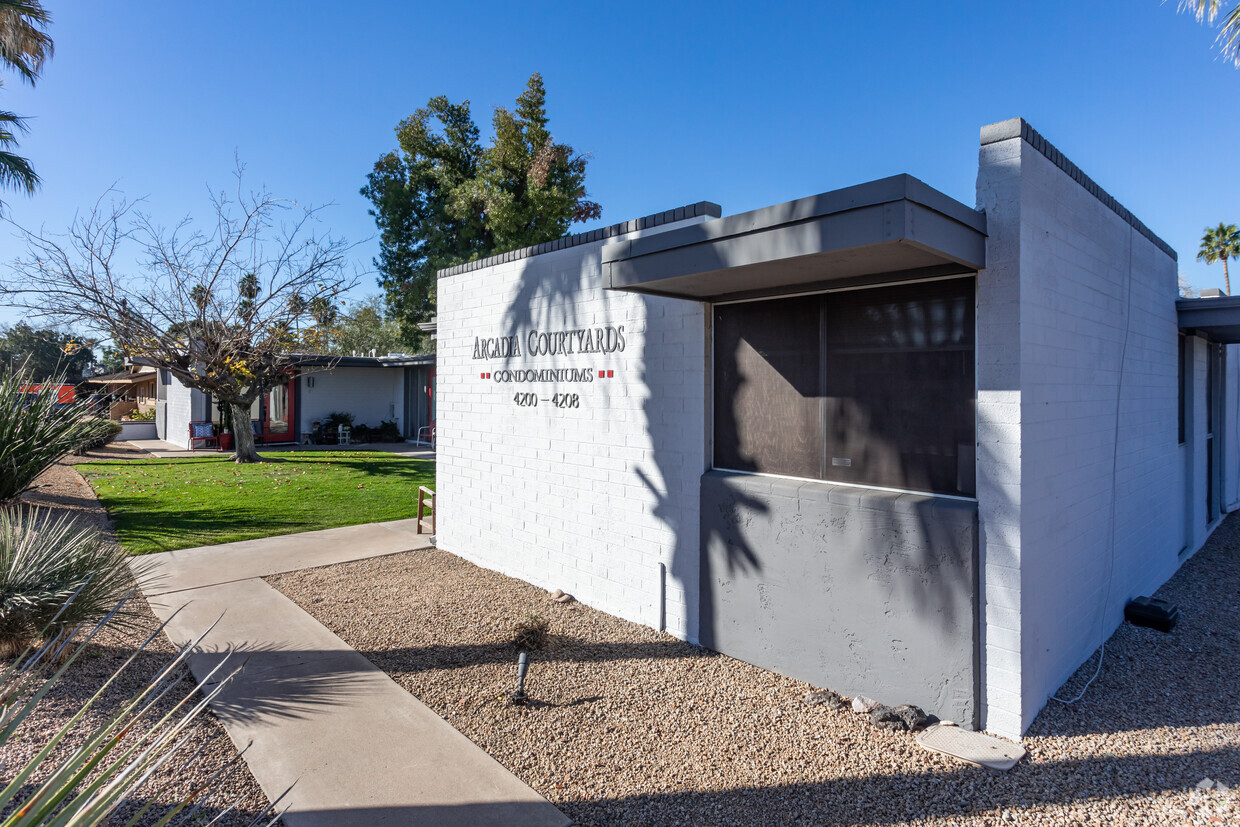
(217, 309)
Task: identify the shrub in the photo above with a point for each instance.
(363, 433)
(142, 416)
(530, 634)
(389, 431)
(43, 563)
(105, 431)
(336, 419)
(36, 430)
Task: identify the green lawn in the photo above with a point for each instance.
(159, 505)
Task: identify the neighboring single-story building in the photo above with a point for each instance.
(374, 389)
(131, 390)
(875, 439)
(65, 394)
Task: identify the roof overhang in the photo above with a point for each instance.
(893, 229)
(145, 374)
(1218, 318)
(389, 361)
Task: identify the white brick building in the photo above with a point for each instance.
(874, 439)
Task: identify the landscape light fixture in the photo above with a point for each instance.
(519, 697)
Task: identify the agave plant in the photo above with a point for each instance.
(45, 561)
(36, 429)
(102, 775)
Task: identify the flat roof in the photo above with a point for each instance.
(892, 229)
(701, 208)
(145, 373)
(392, 360)
(1218, 318)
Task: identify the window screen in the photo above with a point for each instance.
(874, 387)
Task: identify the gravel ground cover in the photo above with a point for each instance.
(62, 489)
(631, 727)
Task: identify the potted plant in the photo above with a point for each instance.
(225, 434)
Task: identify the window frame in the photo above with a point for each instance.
(713, 374)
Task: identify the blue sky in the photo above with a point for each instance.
(742, 104)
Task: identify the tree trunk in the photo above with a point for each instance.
(243, 434)
(1226, 277)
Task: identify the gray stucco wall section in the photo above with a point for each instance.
(862, 591)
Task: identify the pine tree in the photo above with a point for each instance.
(443, 199)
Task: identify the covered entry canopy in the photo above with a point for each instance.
(887, 230)
(1218, 318)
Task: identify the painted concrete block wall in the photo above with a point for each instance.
(867, 592)
(372, 395)
(1231, 430)
(590, 499)
(999, 428)
(138, 430)
(1100, 397)
(184, 406)
(1196, 445)
(1082, 468)
(1194, 451)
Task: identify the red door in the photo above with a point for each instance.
(278, 412)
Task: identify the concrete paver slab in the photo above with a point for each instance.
(160, 449)
(355, 747)
(193, 568)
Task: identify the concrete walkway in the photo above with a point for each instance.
(355, 747)
(166, 450)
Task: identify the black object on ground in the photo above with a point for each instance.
(519, 697)
(1152, 612)
(904, 718)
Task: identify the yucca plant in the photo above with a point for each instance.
(100, 777)
(45, 561)
(36, 429)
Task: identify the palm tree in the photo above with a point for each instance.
(1229, 36)
(15, 171)
(1219, 244)
(24, 48)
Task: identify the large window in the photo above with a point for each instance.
(873, 387)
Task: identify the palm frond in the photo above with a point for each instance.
(1207, 11)
(1228, 39)
(24, 44)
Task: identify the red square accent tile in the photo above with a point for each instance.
(610, 374)
(601, 374)
(482, 376)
